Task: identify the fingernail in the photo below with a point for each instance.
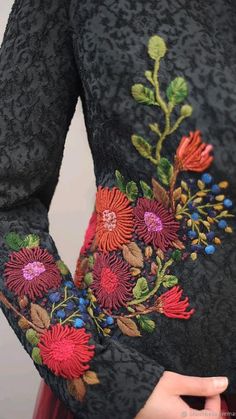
(220, 382)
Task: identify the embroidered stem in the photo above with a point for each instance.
(7, 303)
(159, 280)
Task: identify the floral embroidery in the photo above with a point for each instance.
(31, 272)
(89, 234)
(114, 219)
(167, 220)
(155, 224)
(112, 282)
(55, 324)
(65, 350)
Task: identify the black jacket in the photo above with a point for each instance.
(157, 84)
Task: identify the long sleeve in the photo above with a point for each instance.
(39, 89)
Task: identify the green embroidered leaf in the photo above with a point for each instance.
(141, 288)
(147, 191)
(88, 279)
(176, 255)
(186, 110)
(156, 47)
(120, 181)
(36, 356)
(91, 261)
(170, 281)
(165, 171)
(31, 240)
(177, 90)
(14, 241)
(146, 324)
(32, 337)
(148, 75)
(143, 94)
(131, 190)
(62, 267)
(142, 146)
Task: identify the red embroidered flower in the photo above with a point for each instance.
(89, 234)
(112, 281)
(171, 305)
(114, 219)
(193, 154)
(65, 350)
(155, 224)
(31, 272)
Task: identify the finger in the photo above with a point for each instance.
(185, 385)
(213, 403)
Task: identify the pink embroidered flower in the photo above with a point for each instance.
(193, 154)
(155, 224)
(31, 272)
(171, 305)
(65, 350)
(112, 281)
(89, 234)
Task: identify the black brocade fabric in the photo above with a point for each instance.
(54, 51)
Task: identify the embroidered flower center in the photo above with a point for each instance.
(63, 349)
(109, 280)
(33, 269)
(109, 219)
(152, 221)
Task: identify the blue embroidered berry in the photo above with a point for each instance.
(191, 206)
(84, 293)
(192, 234)
(215, 189)
(228, 203)
(81, 300)
(110, 320)
(61, 314)
(222, 224)
(195, 216)
(210, 235)
(210, 249)
(78, 323)
(207, 178)
(69, 284)
(54, 297)
(85, 317)
(196, 248)
(70, 305)
(82, 308)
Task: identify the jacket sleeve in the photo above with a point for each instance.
(95, 376)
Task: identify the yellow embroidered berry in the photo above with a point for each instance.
(197, 200)
(218, 207)
(178, 217)
(228, 230)
(194, 256)
(220, 198)
(210, 220)
(189, 222)
(206, 224)
(202, 236)
(217, 240)
(201, 193)
(224, 184)
(200, 184)
(184, 185)
(184, 198)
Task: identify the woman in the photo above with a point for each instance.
(146, 326)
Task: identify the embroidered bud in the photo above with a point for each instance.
(186, 110)
(135, 271)
(156, 47)
(148, 252)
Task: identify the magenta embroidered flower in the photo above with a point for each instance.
(155, 224)
(31, 272)
(112, 281)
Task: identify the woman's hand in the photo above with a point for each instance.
(165, 401)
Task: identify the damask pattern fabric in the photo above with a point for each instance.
(154, 286)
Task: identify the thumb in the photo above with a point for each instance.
(196, 386)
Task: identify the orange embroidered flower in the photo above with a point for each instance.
(193, 154)
(114, 219)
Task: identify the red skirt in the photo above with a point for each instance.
(48, 406)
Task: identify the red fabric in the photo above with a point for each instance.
(48, 406)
